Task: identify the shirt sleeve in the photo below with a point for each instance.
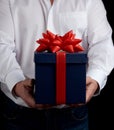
(101, 49)
(10, 71)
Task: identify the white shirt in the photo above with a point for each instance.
(22, 22)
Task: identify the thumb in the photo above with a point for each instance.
(88, 80)
(29, 82)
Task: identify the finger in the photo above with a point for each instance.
(76, 105)
(90, 90)
(28, 98)
(32, 82)
(43, 106)
(88, 80)
(29, 82)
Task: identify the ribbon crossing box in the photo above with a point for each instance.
(65, 84)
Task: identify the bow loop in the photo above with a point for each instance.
(54, 43)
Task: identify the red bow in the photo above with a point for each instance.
(54, 43)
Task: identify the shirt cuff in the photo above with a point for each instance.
(99, 76)
(14, 77)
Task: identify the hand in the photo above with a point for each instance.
(91, 88)
(25, 90)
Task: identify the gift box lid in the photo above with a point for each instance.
(44, 57)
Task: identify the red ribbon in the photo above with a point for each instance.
(60, 78)
(54, 43)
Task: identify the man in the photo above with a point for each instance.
(21, 24)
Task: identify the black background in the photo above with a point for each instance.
(101, 108)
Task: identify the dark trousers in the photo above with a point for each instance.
(15, 117)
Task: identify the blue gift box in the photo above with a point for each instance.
(45, 78)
